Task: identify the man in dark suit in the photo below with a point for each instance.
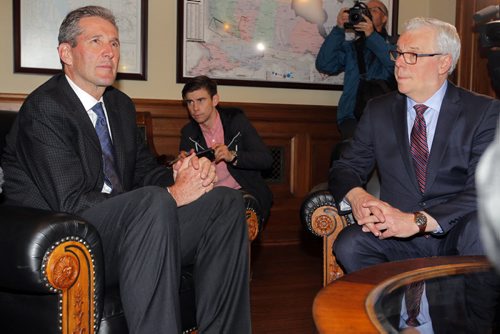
(425, 142)
(151, 220)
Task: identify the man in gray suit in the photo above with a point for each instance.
(75, 148)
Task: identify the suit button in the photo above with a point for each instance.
(423, 204)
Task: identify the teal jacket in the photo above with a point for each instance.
(337, 55)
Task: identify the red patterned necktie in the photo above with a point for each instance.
(413, 297)
(418, 145)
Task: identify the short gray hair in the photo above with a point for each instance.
(70, 28)
(447, 39)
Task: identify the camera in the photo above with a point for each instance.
(489, 33)
(489, 36)
(356, 14)
(489, 40)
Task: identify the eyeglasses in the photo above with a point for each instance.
(410, 57)
(374, 9)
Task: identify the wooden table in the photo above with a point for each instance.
(347, 304)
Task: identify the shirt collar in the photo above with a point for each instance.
(87, 100)
(434, 102)
(217, 124)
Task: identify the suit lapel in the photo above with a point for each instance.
(80, 114)
(399, 119)
(450, 110)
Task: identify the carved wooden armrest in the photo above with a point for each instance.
(320, 216)
(319, 213)
(69, 272)
(252, 219)
(54, 253)
(253, 216)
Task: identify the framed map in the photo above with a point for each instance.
(267, 43)
(36, 26)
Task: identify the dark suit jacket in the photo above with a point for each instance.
(253, 155)
(53, 157)
(465, 127)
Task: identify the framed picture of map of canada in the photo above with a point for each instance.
(263, 43)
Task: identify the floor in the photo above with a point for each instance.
(285, 279)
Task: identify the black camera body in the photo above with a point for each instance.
(489, 36)
(489, 32)
(356, 13)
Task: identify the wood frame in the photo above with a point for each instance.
(215, 70)
(35, 40)
(348, 304)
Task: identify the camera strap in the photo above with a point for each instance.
(359, 45)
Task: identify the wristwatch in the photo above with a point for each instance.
(235, 157)
(421, 221)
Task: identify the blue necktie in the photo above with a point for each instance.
(111, 177)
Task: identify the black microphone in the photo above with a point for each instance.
(486, 13)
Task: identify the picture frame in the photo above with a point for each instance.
(220, 39)
(36, 27)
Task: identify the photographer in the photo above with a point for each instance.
(339, 55)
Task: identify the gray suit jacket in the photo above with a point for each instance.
(52, 158)
(465, 127)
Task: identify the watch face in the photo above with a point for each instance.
(421, 221)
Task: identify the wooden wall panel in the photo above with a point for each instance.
(472, 72)
(320, 147)
(306, 135)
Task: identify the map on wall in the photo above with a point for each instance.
(259, 42)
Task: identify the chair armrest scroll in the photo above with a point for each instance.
(27, 235)
(44, 252)
(319, 213)
(254, 217)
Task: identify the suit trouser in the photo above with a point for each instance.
(355, 249)
(146, 239)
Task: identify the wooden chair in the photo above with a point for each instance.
(320, 217)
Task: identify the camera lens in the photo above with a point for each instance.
(355, 18)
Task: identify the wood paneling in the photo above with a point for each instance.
(472, 72)
(305, 133)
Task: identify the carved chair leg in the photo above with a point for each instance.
(331, 269)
